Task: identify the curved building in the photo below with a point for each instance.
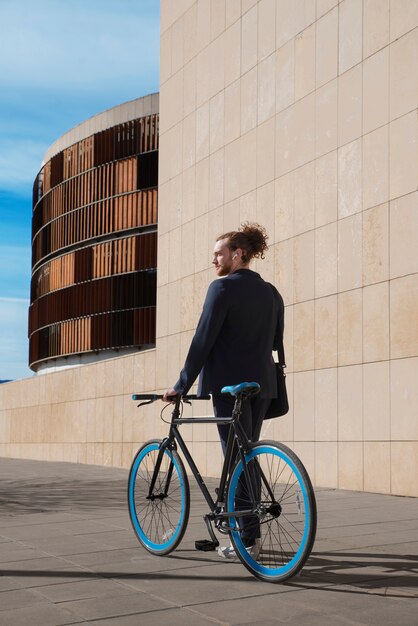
(94, 239)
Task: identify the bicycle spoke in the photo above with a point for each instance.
(281, 520)
(159, 518)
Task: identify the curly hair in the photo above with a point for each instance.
(250, 237)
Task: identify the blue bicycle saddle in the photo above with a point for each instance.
(234, 390)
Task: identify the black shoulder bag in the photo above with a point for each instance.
(279, 406)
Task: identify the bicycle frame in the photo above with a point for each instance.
(237, 434)
(264, 502)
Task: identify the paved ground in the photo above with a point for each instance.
(68, 556)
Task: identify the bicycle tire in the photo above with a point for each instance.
(287, 532)
(159, 523)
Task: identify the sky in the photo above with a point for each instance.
(61, 61)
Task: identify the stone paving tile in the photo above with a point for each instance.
(41, 531)
(370, 528)
(46, 563)
(28, 519)
(362, 580)
(406, 549)
(267, 610)
(218, 582)
(8, 583)
(377, 541)
(83, 589)
(139, 567)
(30, 579)
(366, 558)
(363, 515)
(35, 531)
(318, 607)
(41, 615)
(87, 526)
(363, 498)
(14, 551)
(404, 586)
(117, 538)
(104, 556)
(67, 545)
(356, 567)
(167, 617)
(18, 598)
(113, 516)
(115, 606)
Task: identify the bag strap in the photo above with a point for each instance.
(280, 354)
(280, 350)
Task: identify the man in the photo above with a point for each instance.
(241, 323)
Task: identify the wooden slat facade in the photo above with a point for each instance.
(96, 295)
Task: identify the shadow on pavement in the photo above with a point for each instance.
(394, 571)
(35, 497)
(163, 575)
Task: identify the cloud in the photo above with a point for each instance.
(14, 344)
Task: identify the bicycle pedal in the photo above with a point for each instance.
(206, 545)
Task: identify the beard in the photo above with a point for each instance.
(224, 270)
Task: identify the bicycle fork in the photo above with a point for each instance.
(151, 496)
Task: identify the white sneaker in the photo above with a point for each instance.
(228, 552)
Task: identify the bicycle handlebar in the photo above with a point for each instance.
(146, 396)
(157, 396)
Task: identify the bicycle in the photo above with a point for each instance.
(268, 489)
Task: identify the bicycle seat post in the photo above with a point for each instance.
(237, 410)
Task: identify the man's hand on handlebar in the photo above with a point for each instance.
(169, 395)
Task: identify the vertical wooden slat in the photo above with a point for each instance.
(69, 215)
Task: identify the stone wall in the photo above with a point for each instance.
(302, 115)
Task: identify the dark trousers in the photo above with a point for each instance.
(253, 412)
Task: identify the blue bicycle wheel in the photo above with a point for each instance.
(275, 541)
(159, 517)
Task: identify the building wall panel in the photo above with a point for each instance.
(294, 121)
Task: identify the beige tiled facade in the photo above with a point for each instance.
(302, 116)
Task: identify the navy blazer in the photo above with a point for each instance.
(241, 323)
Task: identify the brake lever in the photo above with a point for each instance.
(143, 403)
